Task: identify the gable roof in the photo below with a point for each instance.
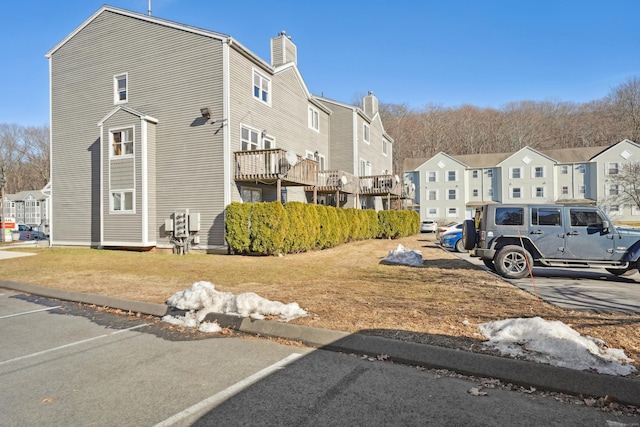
(624, 141)
(143, 17)
(130, 111)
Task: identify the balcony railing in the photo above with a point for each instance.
(274, 165)
(380, 185)
(332, 181)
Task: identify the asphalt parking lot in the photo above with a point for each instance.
(578, 289)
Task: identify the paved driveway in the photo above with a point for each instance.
(579, 289)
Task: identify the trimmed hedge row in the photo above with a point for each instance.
(271, 228)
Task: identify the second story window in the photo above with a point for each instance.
(612, 168)
(314, 119)
(452, 175)
(120, 87)
(261, 88)
(474, 173)
(432, 176)
(452, 194)
(489, 173)
(515, 173)
(538, 171)
(366, 133)
(385, 147)
(122, 142)
(565, 169)
(250, 139)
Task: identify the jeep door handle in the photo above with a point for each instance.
(537, 232)
(573, 233)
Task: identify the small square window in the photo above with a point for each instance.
(122, 201)
(475, 192)
(565, 190)
(474, 173)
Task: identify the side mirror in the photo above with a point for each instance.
(605, 226)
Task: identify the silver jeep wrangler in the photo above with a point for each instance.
(511, 239)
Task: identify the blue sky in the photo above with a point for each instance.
(416, 52)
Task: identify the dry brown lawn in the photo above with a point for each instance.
(347, 288)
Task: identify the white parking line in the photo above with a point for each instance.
(29, 312)
(220, 397)
(108, 334)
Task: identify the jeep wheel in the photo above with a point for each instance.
(460, 246)
(489, 264)
(512, 262)
(468, 234)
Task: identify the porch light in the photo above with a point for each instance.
(206, 112)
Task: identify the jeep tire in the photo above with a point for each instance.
(468, 234)
(512, 262)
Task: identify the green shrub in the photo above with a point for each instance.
(269, 226)
(237, 227)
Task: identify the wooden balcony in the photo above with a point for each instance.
(271, 166)
(336, 181)
(380, 185)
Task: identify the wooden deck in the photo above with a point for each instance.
(272, 166)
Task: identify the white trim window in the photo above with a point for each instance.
(474, 173)
(538, 172)
(322, 162)
(432, 176)
(249, 139)
(432, 194)
(475, 192)
(120, 88)
(537, 192)
(582, 189)
(452, 212)
(122, 201)
(489, 192)
(612, 168)
(452, 176)
(581, 168)
(385, 147)
(564, 169)
(516, 193)
(565, 190)
(515, 173)
(489, 173)
(366, 132)
(365, 168)
(452, 194)
(251, 194)
(261, 87)
(121, 142)
(314, 119)
(432, 212)
(613, 190)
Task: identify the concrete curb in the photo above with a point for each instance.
(528, 374)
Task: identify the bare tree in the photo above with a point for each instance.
(624, 187)
(24, 157)
(625, 100)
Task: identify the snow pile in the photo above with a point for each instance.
(202, 298)
(404, 256)
(555, 343)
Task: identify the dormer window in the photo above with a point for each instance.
(120, 86)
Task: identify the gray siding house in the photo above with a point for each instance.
(157, 126)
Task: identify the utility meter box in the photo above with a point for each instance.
(180, 223)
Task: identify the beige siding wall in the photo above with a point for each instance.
(285, 120)
(341, 138)
(171, 74)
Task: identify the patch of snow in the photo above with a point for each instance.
(404, 256)
(202, 298)
(554, 343)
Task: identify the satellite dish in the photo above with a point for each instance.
(292, 158)
(397, 179)
(343, 180)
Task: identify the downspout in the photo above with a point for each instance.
(226, 133)
(50, 203)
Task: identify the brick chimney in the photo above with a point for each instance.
(370, 104)
(283, 50)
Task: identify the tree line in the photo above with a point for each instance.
(418, 133)
(24, 157)
(424, 132)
